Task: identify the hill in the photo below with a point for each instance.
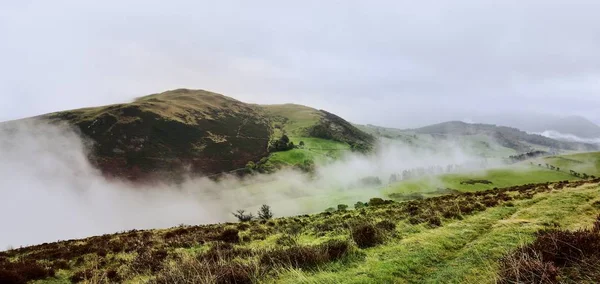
(461, 237)
(196, 132)
(508, 137)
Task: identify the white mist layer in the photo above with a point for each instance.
(568, 137)
(51, 192)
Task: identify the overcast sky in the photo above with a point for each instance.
(392, 63)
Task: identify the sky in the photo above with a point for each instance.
(390, 63)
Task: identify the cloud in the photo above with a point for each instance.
(568, 137)
(392, 63)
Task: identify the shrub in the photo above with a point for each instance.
(264, 213)
(242, 216)
(366, 235)
(23, 272)
(342, 207)
(195, 271)
(150, 260)
(376, 201)
(229, 235)
(522, 268)
(223, 251)
(330, 209)
(386, 225)
(359, 205)
(296, 256)
(555, 255)
(286, 240)
(434, 221)
(336, 249)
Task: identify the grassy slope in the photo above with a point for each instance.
(503, 177)
(588, 163)
(293, 120)
(463, 251)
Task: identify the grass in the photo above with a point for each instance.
(502, 177)
(464, 248)
(315, 149)
(464, 251)
(588, 163)
(292, 119)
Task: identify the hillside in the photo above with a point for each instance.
(196, 132)
(451, 238)
(508, 137)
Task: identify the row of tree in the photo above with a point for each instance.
(572, 172)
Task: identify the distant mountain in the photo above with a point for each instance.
(509, 137)
(194, 131)
(577, 126)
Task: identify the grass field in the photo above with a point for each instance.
(464, 251)
(502, 177)
(315, 149)
(588, 163)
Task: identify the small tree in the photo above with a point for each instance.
(264, 213)
(242, 216)
(342, 207)
(359, 205)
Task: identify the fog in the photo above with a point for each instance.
(51, 192)
(568, 137)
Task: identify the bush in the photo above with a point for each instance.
(360, 205)
(296, 257)
(286, 240)
(229, 235)
(342, 207)
(242, 216)
(386, 225)
(23, 272)
(366, 235)
(376, 201)
(336, 249)
(555, 255)
(195, 271)
(264, 213)
(306, 256)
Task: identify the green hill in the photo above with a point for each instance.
(181, 131)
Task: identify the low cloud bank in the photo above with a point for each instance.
(51, 192)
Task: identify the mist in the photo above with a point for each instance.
(568, 137)
(52, 192)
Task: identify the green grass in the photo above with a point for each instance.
(588, 163)
(291, 118)
(318, 150)
(503, 177)
(464, 251)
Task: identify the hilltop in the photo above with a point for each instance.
(197, 132)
